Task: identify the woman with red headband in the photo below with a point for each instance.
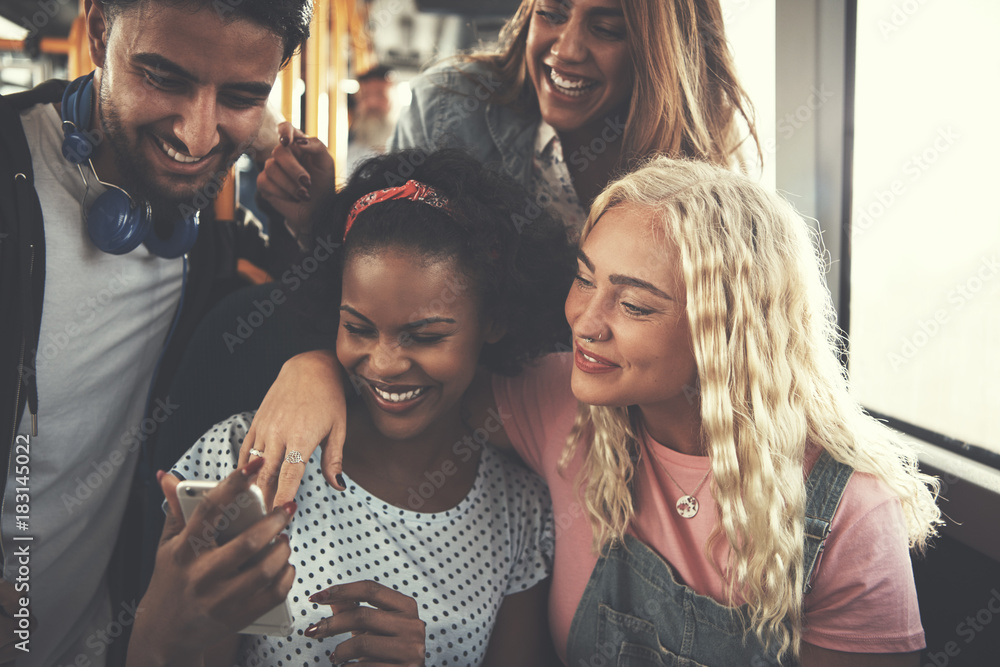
(574, 94)
(439, 550)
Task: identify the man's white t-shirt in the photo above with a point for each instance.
(105, 319)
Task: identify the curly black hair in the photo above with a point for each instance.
(515, 255)
(288, 19)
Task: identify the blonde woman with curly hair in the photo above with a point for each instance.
(715, 432)
(720, 498)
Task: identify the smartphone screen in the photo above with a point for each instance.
(237, 515)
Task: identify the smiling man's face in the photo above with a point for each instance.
(182, 93)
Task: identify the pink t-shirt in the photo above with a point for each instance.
(863, 598)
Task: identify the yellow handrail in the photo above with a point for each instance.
(362, 49)
(46, 45)
(289, 75)
(79, 49)
(316, 49)
(338, 98)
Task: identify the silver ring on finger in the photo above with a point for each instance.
(293, 456)
(256, 452)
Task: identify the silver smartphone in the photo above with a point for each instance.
(239, 515)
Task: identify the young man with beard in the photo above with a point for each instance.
(89, 337)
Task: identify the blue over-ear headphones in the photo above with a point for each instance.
(115, 224)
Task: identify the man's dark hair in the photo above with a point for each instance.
(289, 19)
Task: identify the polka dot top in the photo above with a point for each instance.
(458, 564)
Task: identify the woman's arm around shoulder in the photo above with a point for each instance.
(304, 408)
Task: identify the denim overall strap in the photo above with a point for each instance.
(635, 610)
(824, 489)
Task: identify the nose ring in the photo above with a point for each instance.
(591, 340)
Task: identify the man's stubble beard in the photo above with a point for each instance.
(134, 170)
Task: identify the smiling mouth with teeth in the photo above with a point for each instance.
(398, 398)
(571, 87)
(178, 157)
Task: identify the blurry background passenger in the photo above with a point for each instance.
(371, 116)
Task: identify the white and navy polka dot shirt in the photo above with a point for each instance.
(457, 564)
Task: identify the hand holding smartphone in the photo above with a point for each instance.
(245, 510)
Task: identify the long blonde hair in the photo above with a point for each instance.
(770, 381)
(686, 97)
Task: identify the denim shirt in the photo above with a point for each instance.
(450, 109)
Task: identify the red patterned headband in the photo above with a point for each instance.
(411, 190)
